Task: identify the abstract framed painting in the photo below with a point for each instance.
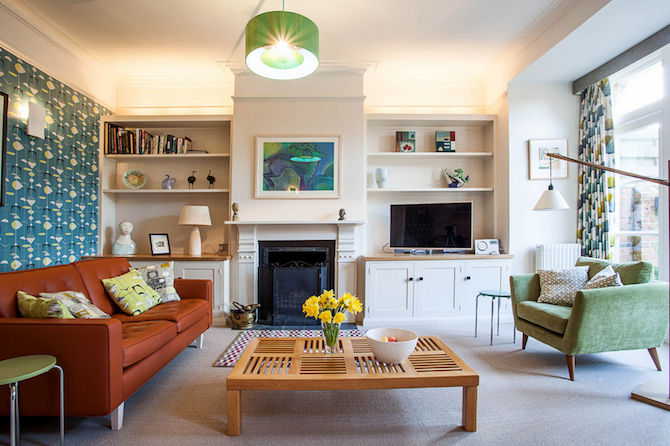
(540, 163)
(298, 166)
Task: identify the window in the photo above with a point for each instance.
(637, 104)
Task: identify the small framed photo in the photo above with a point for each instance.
(160, 244)
(540, 164)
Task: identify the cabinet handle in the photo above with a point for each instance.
(411, 279)
(419, 279)
(467, 277)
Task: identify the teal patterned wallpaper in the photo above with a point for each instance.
(50, 215)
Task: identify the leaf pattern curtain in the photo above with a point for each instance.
(596, 187)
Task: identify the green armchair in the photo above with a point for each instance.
(629, 317)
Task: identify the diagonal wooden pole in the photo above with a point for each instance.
(651, 392)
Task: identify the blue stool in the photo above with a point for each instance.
(493, 294)
(14, 370)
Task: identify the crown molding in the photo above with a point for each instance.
(181, 81)
(325, 67)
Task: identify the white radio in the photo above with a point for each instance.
(487, 246)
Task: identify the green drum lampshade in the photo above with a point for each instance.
(282, 45)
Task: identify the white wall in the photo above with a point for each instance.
(539, 111)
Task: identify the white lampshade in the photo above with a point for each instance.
(195, 216)
(551, 200)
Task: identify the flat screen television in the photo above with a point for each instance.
(432, 226)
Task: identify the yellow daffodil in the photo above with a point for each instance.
(326, 316)
(355, 306)
(311, 309)
(339, 318)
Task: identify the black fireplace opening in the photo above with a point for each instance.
(289, 272)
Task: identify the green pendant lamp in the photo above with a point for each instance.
(282, 45)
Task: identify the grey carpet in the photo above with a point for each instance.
(525, 398)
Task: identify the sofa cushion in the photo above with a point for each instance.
(552, 317)
(78, 304)
(141, 339)
(559, 287)
(605, 278)
(41, 308)
(131, 293)
(183, 313)
(630, 272)
(161, 279)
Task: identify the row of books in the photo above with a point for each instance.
(140, 142)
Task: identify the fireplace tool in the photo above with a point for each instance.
(243, 317)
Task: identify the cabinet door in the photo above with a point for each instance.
(205, 270)
(437, 288)
(389, 289)
(484, 275)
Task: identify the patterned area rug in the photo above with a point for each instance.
(232, 354)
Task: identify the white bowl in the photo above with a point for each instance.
(391, 352)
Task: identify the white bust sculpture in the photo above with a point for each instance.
(124, 244)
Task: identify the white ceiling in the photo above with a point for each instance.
(459, 39)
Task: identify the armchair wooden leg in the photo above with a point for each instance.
(654, 356)
(523, 341)
(571, 366)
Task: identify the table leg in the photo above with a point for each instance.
(476, 308)
(493, 299)
(234, 412)
(13, 414)
(62, 405)
(470, 409)
(498, 329)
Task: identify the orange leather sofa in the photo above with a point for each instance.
(105, 360)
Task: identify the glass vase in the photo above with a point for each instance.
(331, 331)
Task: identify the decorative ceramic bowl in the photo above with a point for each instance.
(391, 352)
(134, 179)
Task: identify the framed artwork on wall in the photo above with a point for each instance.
(540, 163)
(298, 166)
(4, 105)
(160, 244)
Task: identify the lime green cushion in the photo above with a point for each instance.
(37, 307)
(131, 293)
(78, 304)
(552, 317)
(630, 272)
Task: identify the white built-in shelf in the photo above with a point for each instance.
(426, 155)
(296, 223)
(166, 156)
(448, 190)
(164, 191)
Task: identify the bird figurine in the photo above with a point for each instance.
(191, 180)
(211, 178)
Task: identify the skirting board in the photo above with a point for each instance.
(653, 393)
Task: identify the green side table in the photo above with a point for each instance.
(493, 294)
(14, 370)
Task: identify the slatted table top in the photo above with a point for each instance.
(301, 364)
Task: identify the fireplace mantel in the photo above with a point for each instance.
(249, 233)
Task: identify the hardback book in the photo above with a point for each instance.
(188, 144)
(445, 141)
(405, 141)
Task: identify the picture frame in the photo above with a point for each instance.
(540, 164)
(4, 106)
(160, 244)
(298, 166)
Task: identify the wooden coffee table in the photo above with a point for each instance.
(300, 364)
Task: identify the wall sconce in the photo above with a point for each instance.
(37, 118)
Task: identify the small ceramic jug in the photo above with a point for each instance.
(381, 177)
(168, 182)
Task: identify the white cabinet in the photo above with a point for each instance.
(210, 268)
(402, 288)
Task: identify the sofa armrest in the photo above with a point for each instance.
(90, 353)
(629, 317)
(194, 289)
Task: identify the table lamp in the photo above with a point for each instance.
(195, 216)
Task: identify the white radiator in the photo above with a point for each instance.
(558, 256)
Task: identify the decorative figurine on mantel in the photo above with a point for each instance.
(456, 178)
(211, 178)
(236, 207)
(124, 244)
(168, 182)
(191, 180)
(342, 214)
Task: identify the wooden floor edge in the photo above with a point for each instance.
(653, 393)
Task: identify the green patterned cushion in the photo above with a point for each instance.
(131, 293)
(161, 279)
(78, 304)
(559, 287)
(604, 279)
(37, 307)
(630, 272)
